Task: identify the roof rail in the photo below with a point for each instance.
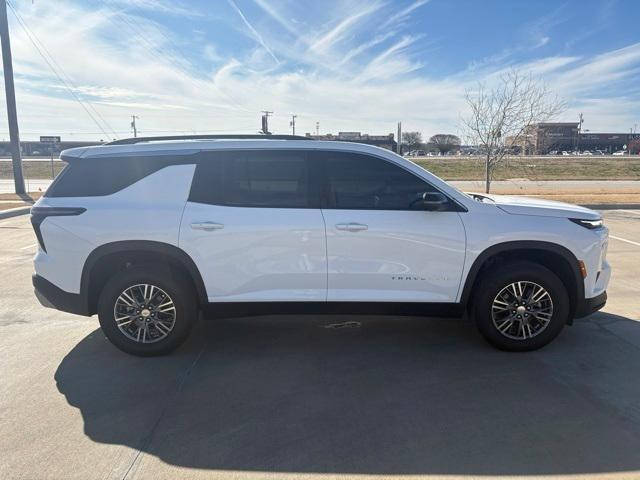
(131, 141)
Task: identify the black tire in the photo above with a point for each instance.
(180, 292)
(497, 281)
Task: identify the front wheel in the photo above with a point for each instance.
(146, 311)
(521, 306)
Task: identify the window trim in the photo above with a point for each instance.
(453, 204)
(313, 194)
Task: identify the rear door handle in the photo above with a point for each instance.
(351, 227)
(207, 226)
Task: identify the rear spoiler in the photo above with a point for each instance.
(71, 154)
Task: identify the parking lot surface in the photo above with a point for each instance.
(287, 397)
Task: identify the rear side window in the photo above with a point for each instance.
(272, 179)
(362, 182)
(103, 176)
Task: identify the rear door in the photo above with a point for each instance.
(381, 243)
(254, 227)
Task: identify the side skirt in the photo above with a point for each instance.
(245, 309)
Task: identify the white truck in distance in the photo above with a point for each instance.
(147, 232)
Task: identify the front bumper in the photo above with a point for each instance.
(591, 305)
(51, 296)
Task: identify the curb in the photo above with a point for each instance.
(14, 212)
(612, 206)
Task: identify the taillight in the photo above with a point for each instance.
(38, 214)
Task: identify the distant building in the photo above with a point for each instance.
(564, 136)
(36, 148)
(555, 136)
(607, 142)
(384, 141)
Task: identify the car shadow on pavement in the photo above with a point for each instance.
(388, 396)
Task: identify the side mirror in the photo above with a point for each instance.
(434, 201)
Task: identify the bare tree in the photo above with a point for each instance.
(445, 142)
(412, 139)
(502, 116)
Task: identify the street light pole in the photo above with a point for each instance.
(14, 137)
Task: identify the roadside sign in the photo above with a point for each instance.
(49, 139)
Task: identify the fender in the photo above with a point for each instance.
(175, 253)
(514, 246)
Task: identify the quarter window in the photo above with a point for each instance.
(92, 177)
(363, 182)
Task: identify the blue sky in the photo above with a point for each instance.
(212, 66)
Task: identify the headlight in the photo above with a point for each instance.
(590, 224)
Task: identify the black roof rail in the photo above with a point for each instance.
(131, 141)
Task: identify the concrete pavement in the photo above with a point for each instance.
(285, 397)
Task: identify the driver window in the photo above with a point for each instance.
(362, 182)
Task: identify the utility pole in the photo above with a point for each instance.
(265, 122)
(14, 136)
(579, 132)
(292, 124)
(133, 125)
(399, 143)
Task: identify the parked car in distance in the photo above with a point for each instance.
(619, 153)
(169, 227)
(564, 152)
(586, 152)
(553, 152)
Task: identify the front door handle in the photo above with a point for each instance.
(352, 227)
(207, 226)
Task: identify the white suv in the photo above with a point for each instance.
(147, 232)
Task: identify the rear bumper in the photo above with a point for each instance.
(590, 305)
(51, 296)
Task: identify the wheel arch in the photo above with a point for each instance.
(109, 258)
(557, 258)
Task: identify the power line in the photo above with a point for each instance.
(185, 131)
(52, 68)
(51, 57)
(181, 63)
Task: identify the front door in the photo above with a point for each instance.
(254, 229)
(381, 243)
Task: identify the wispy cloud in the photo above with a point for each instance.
(337, 32)
(253, 31)
(389, 63)
(158, 6)
(276, 15)
(354, 52)
(404, 13)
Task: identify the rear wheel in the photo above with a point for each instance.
(521, 306)
(146, 310)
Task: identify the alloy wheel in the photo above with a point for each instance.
(144, 313)
(522, 310)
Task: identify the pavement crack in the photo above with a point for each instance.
(146, 441)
